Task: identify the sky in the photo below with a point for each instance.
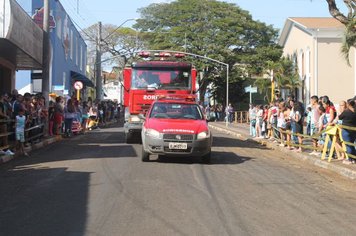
(117, 12)
(272, 12)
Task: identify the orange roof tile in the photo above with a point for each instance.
(317, 22)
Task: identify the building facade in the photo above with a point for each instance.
(314, 44)
(68, 51)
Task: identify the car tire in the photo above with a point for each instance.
(128, 137)
(207, 158)
(145, 156)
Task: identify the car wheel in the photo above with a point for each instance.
(128, 137)
(145, 156)
(207, 158)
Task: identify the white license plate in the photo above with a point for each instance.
(178, 146)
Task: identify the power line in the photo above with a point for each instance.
(77, 16)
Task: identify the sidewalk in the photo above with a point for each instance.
(44, 142)
(242, 131)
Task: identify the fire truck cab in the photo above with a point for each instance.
(159, 74)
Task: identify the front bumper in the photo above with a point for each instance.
(195, 148)
(133, 127)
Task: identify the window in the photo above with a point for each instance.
(64, 79)
(176, 111)
(59, 29)
(71, 44)
(76, 51)
(81, 57)
(84, 59)
(162, 78)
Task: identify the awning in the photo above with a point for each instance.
(80, 77)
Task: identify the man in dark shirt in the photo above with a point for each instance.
(348, 117)
(17, 105)
(4, 119)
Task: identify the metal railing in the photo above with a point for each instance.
(28, 137)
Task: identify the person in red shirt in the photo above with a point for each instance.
(330, 111)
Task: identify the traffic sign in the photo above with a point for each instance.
(253, 90)
(78, 85)
(250, 89)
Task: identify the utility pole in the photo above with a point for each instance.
(272, 86)
(45, 60)
(99, 82)
(45, 55)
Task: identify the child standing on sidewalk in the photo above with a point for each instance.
(51, 118)
(20, 131)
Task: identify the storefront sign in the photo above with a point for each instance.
(38, 19)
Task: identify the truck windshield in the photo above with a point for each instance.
(176, 111)
(161, 79)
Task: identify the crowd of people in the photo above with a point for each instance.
(285, 121)
(27, 118)
(218, 113)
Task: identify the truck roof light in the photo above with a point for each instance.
(179, 55)
(190, 98)
(165, 54)
(144, 54)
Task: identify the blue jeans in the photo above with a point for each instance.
(308, 128)
(230, 116)
(349, 136)
(68, 125)
(294, 130)
(253, 128)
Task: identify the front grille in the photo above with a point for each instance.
(175, 137)
(188, 150)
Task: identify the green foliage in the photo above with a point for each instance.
(349, 40)
(219, 30)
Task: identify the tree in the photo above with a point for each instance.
(219, 30)
(264, 87)
(349, 22)
(115, 42)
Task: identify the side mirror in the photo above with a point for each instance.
(142, 117)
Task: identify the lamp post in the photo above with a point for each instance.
(131, 19)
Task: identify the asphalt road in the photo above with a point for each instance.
(95, 184)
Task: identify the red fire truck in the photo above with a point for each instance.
(158, 74)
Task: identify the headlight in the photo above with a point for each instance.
(134, 119)
(203, 135)
(152, 133)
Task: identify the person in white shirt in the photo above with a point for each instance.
(259, 121)
(314, 122)
(20, 131)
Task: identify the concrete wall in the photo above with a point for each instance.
(320, 62)
(335, 77)
(24, 33)
(299, 45)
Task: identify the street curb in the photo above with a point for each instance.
(5, 158)
(43, 143)
(233, 133)
(351, 174)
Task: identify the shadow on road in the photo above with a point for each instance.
(39, 200)
(43, 201)
(217, 158)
